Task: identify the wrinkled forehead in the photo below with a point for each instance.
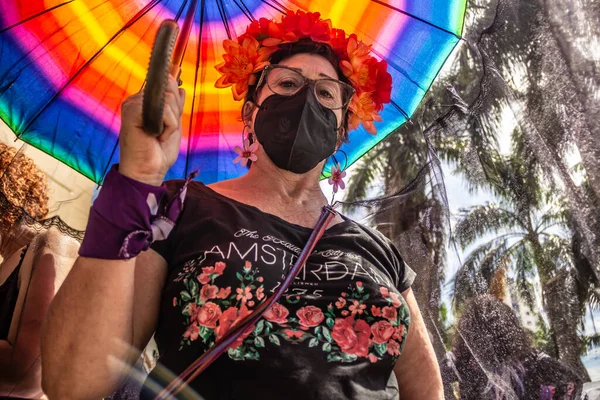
(312, 66)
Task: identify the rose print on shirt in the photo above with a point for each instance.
(345, 331)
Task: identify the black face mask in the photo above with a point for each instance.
(297, 132)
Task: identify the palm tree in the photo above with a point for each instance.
(525, 241)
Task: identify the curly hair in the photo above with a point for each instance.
(23, 188)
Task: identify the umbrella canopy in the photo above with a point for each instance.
(67, 65)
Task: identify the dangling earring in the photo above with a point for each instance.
(337, 175)
(245, 153)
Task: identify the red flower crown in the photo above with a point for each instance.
(251, 52)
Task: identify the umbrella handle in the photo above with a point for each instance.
(156, 79)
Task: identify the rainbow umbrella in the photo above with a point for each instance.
(67, 65)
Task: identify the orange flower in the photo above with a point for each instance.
(242, 60)
(363, 110)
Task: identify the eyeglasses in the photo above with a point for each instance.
(286, 81)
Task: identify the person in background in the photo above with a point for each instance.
(494, 358)
(33, 267)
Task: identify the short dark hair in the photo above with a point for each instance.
(287, 50)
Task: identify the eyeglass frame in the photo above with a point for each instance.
(307, 81)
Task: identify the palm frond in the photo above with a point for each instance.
(477, 221)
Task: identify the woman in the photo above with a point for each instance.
(339, 330)
(32, 269)
(495, 359)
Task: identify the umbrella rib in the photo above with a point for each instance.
(134, 19)
(282, 8)
(401, 110)
(221, 8)
(414, 17)
(199, 49)
(244, 9)
(35, 16)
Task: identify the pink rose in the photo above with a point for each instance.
(310, 316)
(352, 336)
(208, 315)
(250, 303)
(340, 303)
(174, 301)
(204, 278)
(399, 333)
(359, 284)
(277, 314)
(373, 358)
(344, 294)
(260, 293)
(382, 331)
(220, 267)
(345, 313)
(247, 266)
(208, 292)
(260, 279)
(224, 293)
(389, 313)
(376, 311)
(192, 332)
(356, 307)
(395, 300)
(384, 291)
(393, 348)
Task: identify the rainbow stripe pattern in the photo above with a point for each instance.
(67, 65)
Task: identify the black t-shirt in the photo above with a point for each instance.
(336, 333)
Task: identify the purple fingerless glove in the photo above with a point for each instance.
(128, 216)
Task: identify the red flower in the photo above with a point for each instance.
(376, 311)
(268, 32)
(338, 42)
(208, 292)
(383, 84)
(228, 319)
(356, 307)
(351, 336)
(359, 284)
(220, 267)
(260, 279)
(204, 278)
(293, 334)
(277, 314)
(250, 303)
(373, 358)
(382, 331)
(244, 294)
(399, 333)
(390, 313)
(174, 301)
(310, 316)
(242, 60)
(248, 264)
(345, 313)
(209, 314)
(224, 293)
(305, 24)
(193, 311)
(192, 332)
(260, 293)
(393, 348)
(340, 303)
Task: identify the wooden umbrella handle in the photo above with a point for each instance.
(157, 77)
